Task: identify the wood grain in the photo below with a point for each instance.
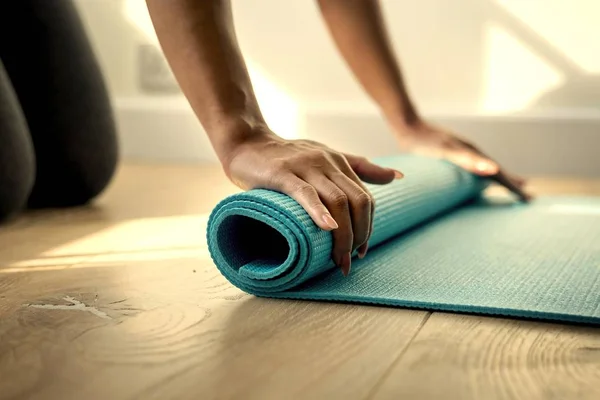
(471, 357)
(175, 333)
(120, 300)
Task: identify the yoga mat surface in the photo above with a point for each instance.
(437, 244)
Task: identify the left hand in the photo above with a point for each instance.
(426, 139)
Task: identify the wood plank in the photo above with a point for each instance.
(159, 330)
(471, 357)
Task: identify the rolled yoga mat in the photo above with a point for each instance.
(438, 244)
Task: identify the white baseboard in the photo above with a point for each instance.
(161, 130)
(563, 142)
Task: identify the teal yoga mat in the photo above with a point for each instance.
(437, 244)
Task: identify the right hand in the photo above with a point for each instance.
(326, 183)
(424, 138)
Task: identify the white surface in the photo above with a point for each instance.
(564, 142)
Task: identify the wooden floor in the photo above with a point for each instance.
(122, 301)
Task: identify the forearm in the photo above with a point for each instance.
(199, 42)
(358, 30)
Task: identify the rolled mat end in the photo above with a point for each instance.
(264, 242)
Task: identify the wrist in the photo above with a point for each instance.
(402, 115)
(233, 134)
(401, 122)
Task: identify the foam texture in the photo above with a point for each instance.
(437, 244)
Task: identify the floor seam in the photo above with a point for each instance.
(387, 372)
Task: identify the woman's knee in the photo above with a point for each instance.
(14, 192)
(17, 162)
(74, 179)
(17, 176)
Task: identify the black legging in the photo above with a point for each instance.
(58, 144)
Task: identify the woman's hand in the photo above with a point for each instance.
(326, 183)
(433, 141)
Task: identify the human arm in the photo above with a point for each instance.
(200, 44)
(359, 32)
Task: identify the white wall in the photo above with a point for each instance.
(463, 61)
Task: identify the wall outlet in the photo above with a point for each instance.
(154, 73)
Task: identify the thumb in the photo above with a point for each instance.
(371, 173)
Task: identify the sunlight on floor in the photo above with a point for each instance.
(138, 235)
(106, 260)
(573, 209)
(145, 240)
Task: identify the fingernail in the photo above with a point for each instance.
(345, 264)
(486, 167)
(398, 174)
(362, 251)
(330, 221)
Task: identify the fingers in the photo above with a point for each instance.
(360, 202)
(345, 167)
(511, 182)
(336, 199)
(513, 186)
(306, 195)
(487, 168)
(338, 202)
(371, 173)
(362, 250)
(328, 207)
(472, 162)
(519, 181)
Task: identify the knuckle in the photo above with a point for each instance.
(276, 178)
(335, 154)
(304, 189)
(316, 155)
(314, 143)
(363, 201)
(361, 160)
(273, 178)
(339, 199)
(338, 157)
